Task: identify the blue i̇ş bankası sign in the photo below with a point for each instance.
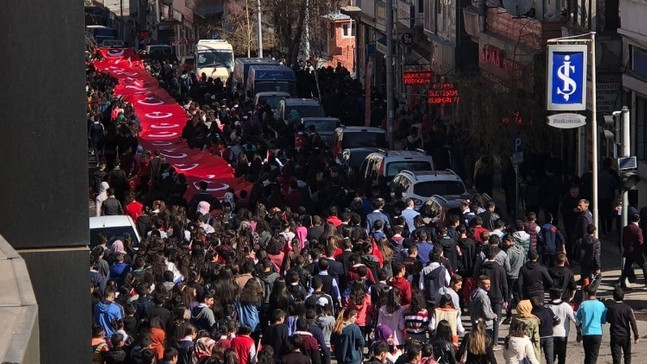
(566, 85)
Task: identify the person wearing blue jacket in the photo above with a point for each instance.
(107, 311)
(551, 242)
(248, 305)
(347, 339)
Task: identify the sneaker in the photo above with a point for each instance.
(496, 347)
(507, 321)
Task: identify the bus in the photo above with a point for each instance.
(215, 58)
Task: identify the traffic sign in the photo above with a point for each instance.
(517, 158)
(517, 144)
(626, 163)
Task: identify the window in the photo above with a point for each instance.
(394, 168)
(348, 29)
(639, 62)
(443, 188)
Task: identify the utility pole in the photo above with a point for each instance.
(595, 136)
(260, 28)
(389, 71)
(625, 152)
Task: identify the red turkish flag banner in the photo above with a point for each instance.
(161, 122)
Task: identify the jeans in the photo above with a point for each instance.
(559, 349)
(628, 269)
(547, 345)
(621, 345)
(513, 300)
(591, 345)
(497, 308)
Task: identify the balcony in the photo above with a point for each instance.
(529, 32)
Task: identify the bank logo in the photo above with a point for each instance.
(563, 72)
(567, 77)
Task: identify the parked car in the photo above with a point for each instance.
(423, 185)
(293, 109)
(388, 163)
(325, 127)
(161, 52)
(115, 227)
(349, 137)
(271, 98)
(352, 158)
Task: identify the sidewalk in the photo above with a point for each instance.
(636, 298)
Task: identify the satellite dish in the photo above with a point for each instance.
(518, 7)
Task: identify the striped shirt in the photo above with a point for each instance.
(416, 322)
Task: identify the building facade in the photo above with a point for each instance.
(634, 81)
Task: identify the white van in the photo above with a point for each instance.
(115, 227)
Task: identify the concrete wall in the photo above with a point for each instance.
(18, 310)
(43, 153)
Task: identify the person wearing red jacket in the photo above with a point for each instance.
(244, 345)
(401, 283)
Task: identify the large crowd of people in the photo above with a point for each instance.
(310, 265)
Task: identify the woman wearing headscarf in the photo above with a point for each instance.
(524, 314)
(203, 211)
(203, 348)
(384, 334)
(102, 196)
(117, 248)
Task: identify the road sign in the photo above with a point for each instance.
(566, 120)
(517, 158)
(566, 77)
(517, 144)
(626, 163)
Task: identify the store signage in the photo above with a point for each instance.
(443, 93)
(493, 59)
(566, 121)
(416, 77)
(566, 77)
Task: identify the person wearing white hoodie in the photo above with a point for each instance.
(102, 196)
(518, 346)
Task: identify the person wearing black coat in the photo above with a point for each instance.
(622, 320)
(498, 288)
(590, 257)
(276, 335)
(533, 278)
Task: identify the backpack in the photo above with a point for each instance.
(434, 281)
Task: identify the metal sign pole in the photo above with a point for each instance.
(573, 40)
(389, 72)
(594, 131)
(626, 152)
